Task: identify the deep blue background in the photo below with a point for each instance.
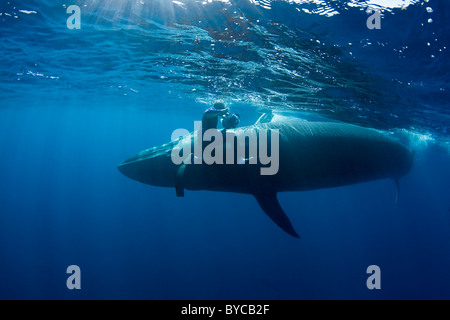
(63, 202)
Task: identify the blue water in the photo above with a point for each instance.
(75, 103)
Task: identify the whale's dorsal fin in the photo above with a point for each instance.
(270, 205)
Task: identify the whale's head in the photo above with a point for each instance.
(152, 166)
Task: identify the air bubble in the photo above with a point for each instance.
(430, 20)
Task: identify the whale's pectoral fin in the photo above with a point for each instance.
(270, 205)
(179, 180)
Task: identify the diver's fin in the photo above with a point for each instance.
(397, 183)
(265, 117)
(179, 180)
(270, 205)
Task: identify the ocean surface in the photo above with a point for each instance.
(74, 103)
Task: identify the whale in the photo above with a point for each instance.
(310, 155)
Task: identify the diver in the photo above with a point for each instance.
(230, 121)
(210, 120)
(211, 117)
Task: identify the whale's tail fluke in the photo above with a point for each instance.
(270, 205)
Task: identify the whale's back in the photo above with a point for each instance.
(327, 154)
